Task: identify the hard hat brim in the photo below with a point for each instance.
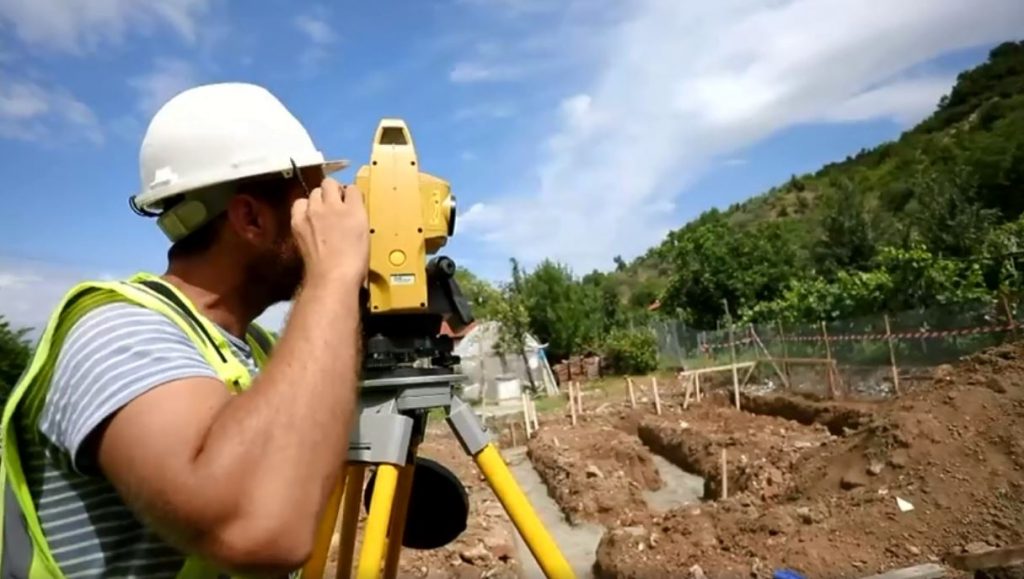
(146, 199)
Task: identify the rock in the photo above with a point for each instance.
(476, 555)
(913, 550)
(898, 459)
(995, 384)
(852, 480)
(635, 531)
(697, 573)
(875, 468)
(977, 547)
(805, 515)
(499, 546)
(592, 472)
(943, 372)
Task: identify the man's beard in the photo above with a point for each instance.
(276, 275)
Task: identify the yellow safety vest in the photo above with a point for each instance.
(24, 552)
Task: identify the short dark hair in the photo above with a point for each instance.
(272, 189)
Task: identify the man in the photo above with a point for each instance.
(147, 440)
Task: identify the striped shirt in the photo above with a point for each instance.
(112, 355)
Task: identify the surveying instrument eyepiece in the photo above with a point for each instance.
(409, 368)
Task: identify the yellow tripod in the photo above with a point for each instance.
(391, 424)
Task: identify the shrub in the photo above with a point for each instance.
(632, 351)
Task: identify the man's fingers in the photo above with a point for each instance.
(332, 191)
(299, 210)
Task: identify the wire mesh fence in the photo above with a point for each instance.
(868, 356)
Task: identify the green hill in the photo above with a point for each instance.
(926, 219)
(932, 218)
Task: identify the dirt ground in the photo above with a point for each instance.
(595, 472)
(825, 488)
(935, 472)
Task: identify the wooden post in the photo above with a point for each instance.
(579, 399)
(483, 375)
(572, 402)
(657, 399)
(632, 394)
(696, 378)
(526, 415)
(512, 427)
(892, 356)
(725, 477)
(831, 363)
(760, 344)
(687, 389)
(785, 352)
(1009, 315)
(533, 414)
(732, 354)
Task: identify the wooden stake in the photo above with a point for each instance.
(696, 379)
(657, 399)
(533, 413)
(632, 394)
(725, 477)
(892, 356)
(579, 399)
(1009, 315)
(572, 404)
(512, 427)
(757, 340)
(688, 389)
(785, 352)
(526, 415)
(732, 354)
(831, 363)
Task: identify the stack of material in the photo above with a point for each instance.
(578, 368)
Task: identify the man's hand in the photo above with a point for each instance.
(332, 232)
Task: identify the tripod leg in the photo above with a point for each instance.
(519, 509)
(349, 519)
(476, 442)
(314, 567)
(399, 513)
(375, 534)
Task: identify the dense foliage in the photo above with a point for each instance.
(932, 218)
(631, 351)
(14, 355)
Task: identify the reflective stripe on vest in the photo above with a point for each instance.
(24, 552)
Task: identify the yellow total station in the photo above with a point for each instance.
(411, 216)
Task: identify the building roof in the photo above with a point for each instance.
(446, 330)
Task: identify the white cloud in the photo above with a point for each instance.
(168, 77)
(904, 101)
(77, 26)
(681, 84)
(29, 290)
(47, 114)
(469, 71)
(315, 26)
(491, 110)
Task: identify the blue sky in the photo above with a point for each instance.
(577, 130)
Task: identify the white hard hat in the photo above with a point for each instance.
(215, 134)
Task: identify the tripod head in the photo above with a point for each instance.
(411, 215)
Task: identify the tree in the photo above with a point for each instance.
(14, 355)
(563, 312)
(514, 321)
(483, 297)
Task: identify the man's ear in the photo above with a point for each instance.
(250, 219)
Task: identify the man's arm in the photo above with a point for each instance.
(243, 480)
